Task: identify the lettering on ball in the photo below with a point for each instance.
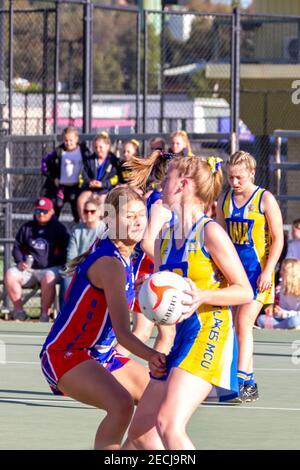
(170, 310)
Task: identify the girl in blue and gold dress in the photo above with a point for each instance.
(253, 221)
(204, 350)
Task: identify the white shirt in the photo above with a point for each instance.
(70, 167)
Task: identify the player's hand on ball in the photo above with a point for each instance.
(192, 302)
(157, 364)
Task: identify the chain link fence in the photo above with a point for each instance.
(179, 48)
(140, 74)
(152, 73)
(270, 58)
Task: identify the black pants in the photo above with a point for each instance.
(61, 195)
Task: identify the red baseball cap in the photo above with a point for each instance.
(44, 203)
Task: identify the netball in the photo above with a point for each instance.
(161, 296)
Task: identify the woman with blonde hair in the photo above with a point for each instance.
(253, 220)
(100, 172)
(180, 144)
(286, 313)
(204, 352)
(131, 150)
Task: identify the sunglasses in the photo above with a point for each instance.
(41, 211)
(89, 211)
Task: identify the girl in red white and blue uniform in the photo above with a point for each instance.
(78, 357)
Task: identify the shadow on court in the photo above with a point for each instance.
(44, 421)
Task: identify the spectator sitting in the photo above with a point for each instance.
(85, 233)
(100, 172)
(63, 170)
(296, 229)
(46, 240)
(180, 144)
(286, 313)
(130, 150)
(293, 249)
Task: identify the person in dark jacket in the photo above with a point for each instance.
(100, 172)
(63, 169)
(41, 243)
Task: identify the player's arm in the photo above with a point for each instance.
(219, 212)
(274, 219)
(107, 273)
(222, 251)
(157, 255)
(159, 216)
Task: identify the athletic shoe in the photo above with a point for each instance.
(238, 400)
(44, 318)
(20, 316)
(250, 393)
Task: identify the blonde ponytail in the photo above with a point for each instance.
(140, 169)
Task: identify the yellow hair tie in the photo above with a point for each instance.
(135, 142)
(214, 163)
(104, 134)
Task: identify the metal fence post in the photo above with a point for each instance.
(162, 67)
(45, 69)
(8, 215)
(138, 72)
(56, 67)
(278, 141)
(235, 79)
(11, 65)
(87, 68)
(2, 50)
(145, 72)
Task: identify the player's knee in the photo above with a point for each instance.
(123, 407)
(166, 333)
(166, 426)
(141, 334)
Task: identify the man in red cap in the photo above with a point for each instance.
(39, 252)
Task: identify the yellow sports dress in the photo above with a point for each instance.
(248, 229)
(205, 343)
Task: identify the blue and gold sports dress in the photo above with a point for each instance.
(205, 343)
(248, 229)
